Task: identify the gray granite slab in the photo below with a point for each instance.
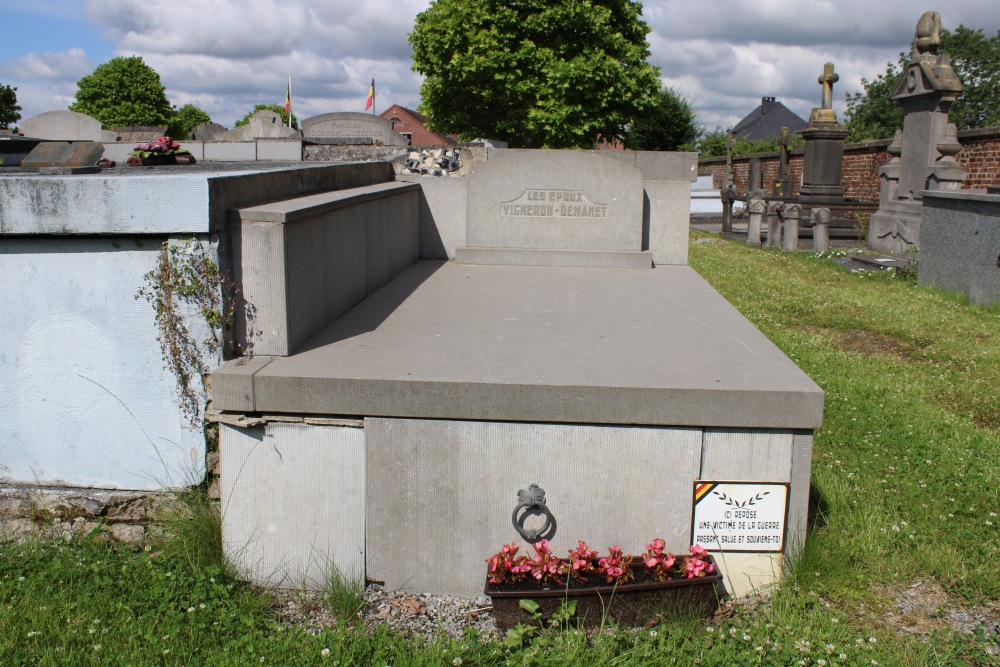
(550, 344)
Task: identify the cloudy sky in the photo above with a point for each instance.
(227, 55)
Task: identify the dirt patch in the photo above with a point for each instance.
(866, 342)
(923, 607)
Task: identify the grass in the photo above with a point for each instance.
(904, 490)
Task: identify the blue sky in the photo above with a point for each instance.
(227, 55)
(33, 27)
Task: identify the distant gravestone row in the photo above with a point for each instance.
(329, 128)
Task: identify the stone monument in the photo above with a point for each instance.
(782, 185)
(926, 90)
(822, 170)
(350, 127)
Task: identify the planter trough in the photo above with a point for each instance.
(633, 604)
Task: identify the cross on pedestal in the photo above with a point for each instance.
(827, 80)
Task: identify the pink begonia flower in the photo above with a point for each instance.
(698, 551)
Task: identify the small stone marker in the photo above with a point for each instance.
(791, 214)
(757, 208)
(63, 154)
(821, 229)
(774, 224)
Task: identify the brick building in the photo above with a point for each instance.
(411, 125)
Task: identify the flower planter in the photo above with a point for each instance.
(160, 160)
(633, 604)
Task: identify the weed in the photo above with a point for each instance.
(192, 532)
(185, 276)
(344, 593)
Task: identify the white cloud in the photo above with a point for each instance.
(227, 55)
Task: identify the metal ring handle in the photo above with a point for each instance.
(532, 503)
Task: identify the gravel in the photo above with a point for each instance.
(415, 615)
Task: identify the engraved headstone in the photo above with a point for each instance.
(757, 208)
(555, 200)
(791, 214)
(821, 229)
(337, 127)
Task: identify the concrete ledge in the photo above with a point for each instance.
(599, 259)
(290, 210)
(306, 261)
(519, 343)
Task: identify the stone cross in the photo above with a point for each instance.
(783, 164)
(827, 80)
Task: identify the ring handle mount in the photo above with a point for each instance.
(531, 503)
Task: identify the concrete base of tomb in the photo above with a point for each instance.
(398, 438)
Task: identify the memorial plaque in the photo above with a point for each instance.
(568, 200)
(740, 516)
(352, 125)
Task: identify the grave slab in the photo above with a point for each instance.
(549, 344)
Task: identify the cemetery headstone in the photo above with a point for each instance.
(822, 169)
(264, 124)
(66, 126)
(555, 200)
(347, 125)
(783, 186)
(207, 131)
(926, 90)
(755, 179)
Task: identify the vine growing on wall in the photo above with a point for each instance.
(186, 278)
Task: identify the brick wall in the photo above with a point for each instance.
(980, 155)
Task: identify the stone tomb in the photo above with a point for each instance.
(396, 439)
(337, 127)
(66, 126)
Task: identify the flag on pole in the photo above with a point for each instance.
(288, 95)
(371, 96)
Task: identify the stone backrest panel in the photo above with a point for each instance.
(352, 125)
(565, 200)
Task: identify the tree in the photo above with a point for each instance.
(186, 119)
(667, 126)
(278, 108)
(713, 144)
(123, 91)
(10, 112)
(534, 73)
(871, 114)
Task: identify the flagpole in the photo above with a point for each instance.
(373, 93)
(289, 101)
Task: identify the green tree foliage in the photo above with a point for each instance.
(278, 108)
(871, 114)
(186, 119)
(10, 112)
(667, 126)
(534, 73)
(123, 91)
(713, 144)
